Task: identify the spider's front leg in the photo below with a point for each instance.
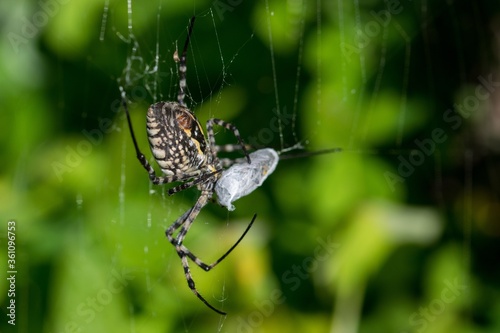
(229, 148)
(211, 137)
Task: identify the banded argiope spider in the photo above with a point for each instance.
(185, 155)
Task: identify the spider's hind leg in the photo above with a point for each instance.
(185, 222)
(206, 267)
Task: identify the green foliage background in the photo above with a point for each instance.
(338, 245)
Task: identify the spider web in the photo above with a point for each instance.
(145, 70)
(398, 230)
(367, 103)
(145, 73)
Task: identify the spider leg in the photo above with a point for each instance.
(183, 67)
(192, 183)
(185, 222)
(160, 180)
(206, 267)
(229, 126)
(232, 147)
(140, 156)
(176, 225)
(227, 162)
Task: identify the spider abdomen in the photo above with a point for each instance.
(176, 138)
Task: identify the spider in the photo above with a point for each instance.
(185, 155)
